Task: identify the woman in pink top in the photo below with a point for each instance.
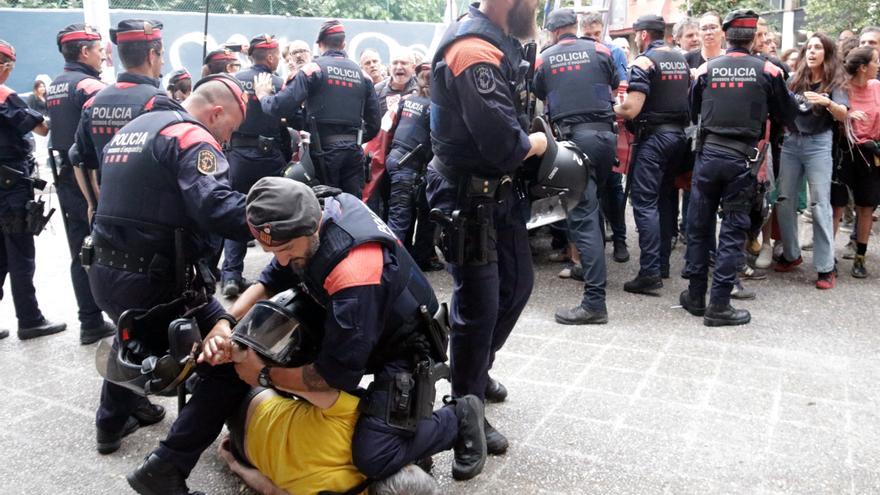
(860, 164)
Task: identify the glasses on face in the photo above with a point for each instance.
(709, 27)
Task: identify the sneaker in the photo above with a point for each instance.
(753, 246)
(741, 293)
(749, 273)
(765, 257)
(783, 265)
(778, 250)
(858, 268)
(849, 251)
(566, 272)
(826, 281)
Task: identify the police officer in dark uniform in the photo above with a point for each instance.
(164, 185)
(179, 85)
(259, 148)
(137, 90)
(657, 105)
(732, 97)
(80, 44)
(221, 60)
(377, 301)
(18, 223)
(406, 163)
(576, 78)
(480, 141)
(341, 105)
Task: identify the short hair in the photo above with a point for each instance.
(334, 41)
(403, 51)
(713, 14)
(591, 18)
(870, 29)
(369, 50)
(654, 34)
(70, 51)
(683, 25)
(410, 480)
(740, 37)
(858, 57)
(260, 54)
(845, 46)
(135, 53)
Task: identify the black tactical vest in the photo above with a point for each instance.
(114, 107)
(137, 190)
(670, 82)
(575, 84)
(256, 122)
(414, 125)
(340, 98)
(65, 107)
(450, 138)
(734, 100)
(357, 225)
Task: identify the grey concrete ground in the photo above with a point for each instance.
(653, 402)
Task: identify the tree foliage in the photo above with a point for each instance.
(699, 7)
(833, 16)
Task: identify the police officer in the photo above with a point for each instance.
(657, 104)
(732, 97)
(164, 184)
(342, 109)
(479, 142)
(375, 297)
(576, 78)
(17, 223)
(221, 60)
(80, 45)
(179, 85)
(259, 148)
(137, 90)
(406, 162)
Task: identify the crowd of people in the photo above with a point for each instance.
(358, 176)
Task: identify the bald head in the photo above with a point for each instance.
(216, 105)
(402, 67)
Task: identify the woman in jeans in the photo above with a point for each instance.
(818, 85)
(859, 171)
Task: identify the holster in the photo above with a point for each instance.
(467, 238)
(406, 398)
(35, 221)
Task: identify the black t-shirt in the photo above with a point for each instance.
(695, 59)
(816, 119)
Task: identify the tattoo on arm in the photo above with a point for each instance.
(313, 380)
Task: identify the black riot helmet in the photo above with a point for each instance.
(150, 355)
(285, 331)
(303, 170)
(563, 170)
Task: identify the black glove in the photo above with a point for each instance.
(322, 191)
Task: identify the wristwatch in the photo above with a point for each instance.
(264, 379)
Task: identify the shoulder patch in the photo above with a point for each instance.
(150, 103)
(770, 68)
(363, 266)
(189, 135)
(643, 62)
(90, 86)
(484, 79)
(470, 51)
(601, 48)
(207, 162)
(5, 91)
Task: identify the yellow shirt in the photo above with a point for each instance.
(302, 448)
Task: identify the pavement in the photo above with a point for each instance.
(652, 402)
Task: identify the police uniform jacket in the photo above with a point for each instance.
(413, 129)
(16, 121)
(336, 94)
(65, 97)
(665, 85)
(258, 123)
(476, 127)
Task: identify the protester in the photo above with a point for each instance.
(686, 34)
(371, 64)
(37, 99)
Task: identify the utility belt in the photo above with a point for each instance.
(643, 130)
(467, 234)
(339, 139)
(749, 151)
(265, 144)
(405, 398)
(567, 131)
(11, 177)
(27, 220)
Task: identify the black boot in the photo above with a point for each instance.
(470, 446)
(496, 443)
(4, 334)
(90, 335)
(110, 442)
(495, 391)
(148, 413)
(157, 477)
(621, 253)
(580, 315)
(720, 315)
(694, 305)
(41, 330)
(643, 285)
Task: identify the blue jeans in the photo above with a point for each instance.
(810, 156)
(585, 231)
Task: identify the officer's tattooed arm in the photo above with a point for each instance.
(303, 379)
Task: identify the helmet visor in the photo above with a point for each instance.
(269, 330)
